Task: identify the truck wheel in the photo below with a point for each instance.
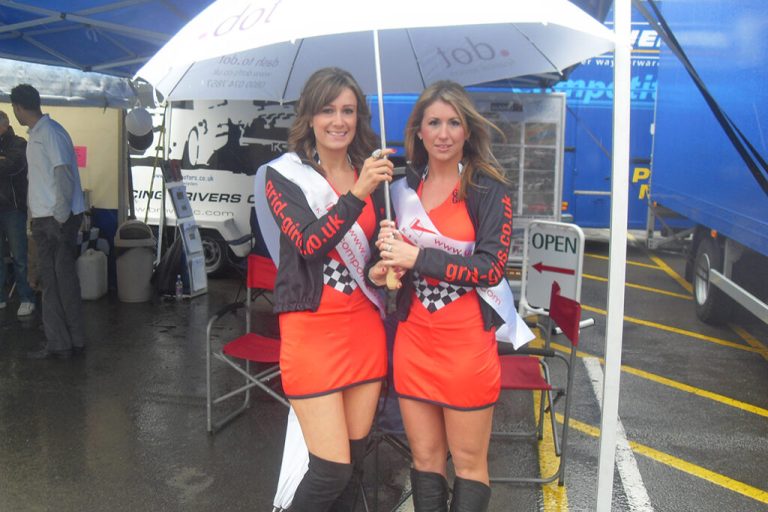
(712, 305)
(215, 251)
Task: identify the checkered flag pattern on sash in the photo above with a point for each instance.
(438, 296)
(336, 275)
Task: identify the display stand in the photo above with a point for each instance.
(185, 222)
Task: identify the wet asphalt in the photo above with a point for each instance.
(123, 428)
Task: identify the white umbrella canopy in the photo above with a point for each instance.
(265, 50)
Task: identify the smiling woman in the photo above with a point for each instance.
(325, 199)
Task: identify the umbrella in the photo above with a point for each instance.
(266, 49)
(294, 464)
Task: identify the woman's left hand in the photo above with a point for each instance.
(396, 252)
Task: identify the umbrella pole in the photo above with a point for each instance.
(380, 101)
(392, 281)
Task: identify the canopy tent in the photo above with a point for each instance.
(114, 37)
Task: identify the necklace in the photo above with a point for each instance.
(316, 158)
(426, 171)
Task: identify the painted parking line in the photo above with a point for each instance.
(671, 273)
(680, 464)
(631, 480)
(751, 340)
(633, 263)
(740, 331)
(752, 409)
(668, 328)
(641, 287)
(554, 496)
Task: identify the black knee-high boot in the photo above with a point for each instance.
(347, 501)
(321, 485)
(470, 496)
(430, 491)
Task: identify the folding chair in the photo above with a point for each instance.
(261, 276)
(247, 349)
(528, 369)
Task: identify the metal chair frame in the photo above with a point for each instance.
(549, 394)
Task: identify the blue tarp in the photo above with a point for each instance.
(114, 37)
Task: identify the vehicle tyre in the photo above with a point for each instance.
(215, 251)
(712, 305)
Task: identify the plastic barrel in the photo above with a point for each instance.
(92, 272)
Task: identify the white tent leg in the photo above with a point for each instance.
(618, 254)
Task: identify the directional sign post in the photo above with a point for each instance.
(554, 251)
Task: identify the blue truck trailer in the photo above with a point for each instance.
(711, 172)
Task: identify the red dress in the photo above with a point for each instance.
(340, 345)
(443, 354)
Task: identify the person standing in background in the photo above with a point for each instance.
(13, 214)
(56, 205)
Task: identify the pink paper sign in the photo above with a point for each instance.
(82, 155)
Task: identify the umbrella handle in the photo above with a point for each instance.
(392, 281)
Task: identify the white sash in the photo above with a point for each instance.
(353, 247)
(415, 225)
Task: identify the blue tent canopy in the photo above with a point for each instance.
(113, 37)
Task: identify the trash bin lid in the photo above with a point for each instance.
(134, 233)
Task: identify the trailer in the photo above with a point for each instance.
(708, 160)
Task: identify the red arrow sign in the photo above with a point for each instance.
(540, 267)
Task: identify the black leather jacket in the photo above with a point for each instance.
(490, 208)
(13, 172)
(304, 243)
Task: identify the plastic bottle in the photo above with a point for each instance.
(179, 287)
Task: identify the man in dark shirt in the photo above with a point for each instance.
(13, 214)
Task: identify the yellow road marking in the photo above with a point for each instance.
(635, 263)
(680, 464)
(741, 332)
(671, 273)
(554, 496)
(753, 409)
(753, 342)
(641, 287)
(675, 330)
(697, 391)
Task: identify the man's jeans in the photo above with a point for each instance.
(13, 227)
(62, 305)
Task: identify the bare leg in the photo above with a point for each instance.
(469, 434)
(425, 429)
(324, 426)
(360, 407)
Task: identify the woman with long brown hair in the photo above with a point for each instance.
(325, 198)
(454, 223)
